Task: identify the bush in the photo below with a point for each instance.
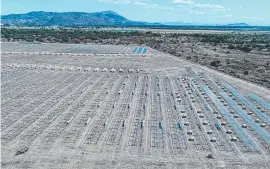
(188, 58)
(244, 48)
(215, 63)
(231, 46)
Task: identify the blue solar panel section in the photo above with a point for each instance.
(161, 124)
(218, 126)
(144, 50)
(134, 50)
(180, 124)
(252, 107)
(255, 126)
(139, 50)
(260, 101)
(244, 136)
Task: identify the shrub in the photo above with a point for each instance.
(246, 72)
(215, 63)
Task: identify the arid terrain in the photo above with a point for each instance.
(132, 106)
(242, 54)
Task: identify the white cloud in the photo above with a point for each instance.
(137, 2)
(226, 16)
(199, 13)
(193, 4)
(253, 18)
(183, 2)
(142, 3)
(119, 1)
(210, 6)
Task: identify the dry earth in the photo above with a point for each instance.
(104, 106)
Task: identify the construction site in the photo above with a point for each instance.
(126, 106)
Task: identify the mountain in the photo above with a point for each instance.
(203, 24)
(238, 24)
(41, 18)
(175, 23)
(73, 19)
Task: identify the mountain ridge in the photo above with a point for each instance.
(237, 24)
(42, 18)
(103, 18)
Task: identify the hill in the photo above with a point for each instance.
(238, 24)
(41, 18)
(104, 18)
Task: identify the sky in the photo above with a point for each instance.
(253, 12)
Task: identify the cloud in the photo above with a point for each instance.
(153, 6)
(137, 2)
(119, 1)
(253, 18)
(199, 13)
(142, 3)
(226, 16)
(193, 4)
(210, 6)
(189, 2)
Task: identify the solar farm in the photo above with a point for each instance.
(118, 106)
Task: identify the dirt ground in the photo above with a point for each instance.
(104, 106)
(243, 54)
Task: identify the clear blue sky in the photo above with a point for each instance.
(254, 12)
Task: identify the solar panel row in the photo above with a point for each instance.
(139, 50)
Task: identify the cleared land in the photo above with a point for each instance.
(105, 106)
(242, 54)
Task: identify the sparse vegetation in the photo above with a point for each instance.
(62, 103)
(210, 49)
(215, 63)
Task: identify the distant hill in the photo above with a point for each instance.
(175, 23)
(202, 24)
(238, 24)
(41, 18)
(74, 19)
